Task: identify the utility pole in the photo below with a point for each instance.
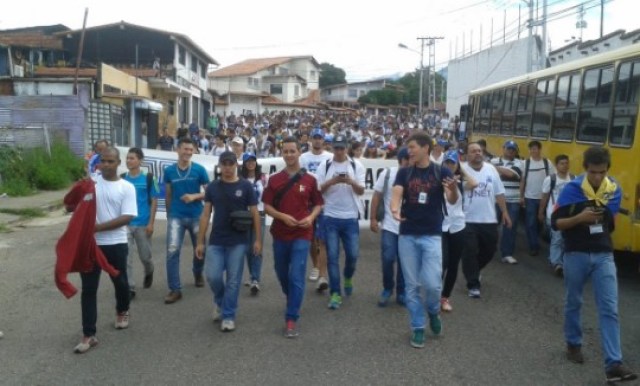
(601, 17)
(431, 81)
(530, 41)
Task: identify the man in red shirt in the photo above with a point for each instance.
(293, 199)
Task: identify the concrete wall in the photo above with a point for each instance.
(113, 77)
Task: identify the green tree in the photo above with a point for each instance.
(383, 97)
(331, 75)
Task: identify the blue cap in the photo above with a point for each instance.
(451, 155)
(511, 145)
(403, 153)
(371, 144)
(328, 138)
(442, 142)
(317, 132)
(247, 156)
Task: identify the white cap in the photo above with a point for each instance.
(237, 140)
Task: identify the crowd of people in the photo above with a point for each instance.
(448, 202)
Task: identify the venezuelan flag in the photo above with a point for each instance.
(579, 190)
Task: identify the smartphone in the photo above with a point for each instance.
(598, 209)
(342, 175)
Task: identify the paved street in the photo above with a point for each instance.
(512, 336)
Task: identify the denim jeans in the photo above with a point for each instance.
(348, 231)
(254, 262)
(116, 256)
(219, 259)
(421, 259)
(138, 235)
(600, 267)
(509, 235)
(531, 222)
(389, 249)
(290, 262)
(556, 246)
(480, 243)
(175, 236)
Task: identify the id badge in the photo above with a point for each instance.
(595, 229)
(422, 198)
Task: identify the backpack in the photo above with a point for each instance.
(527, 163)
(554, 179)
(329, 162)
(380, 212)
(149, 185)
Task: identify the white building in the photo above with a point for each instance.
(579, 50)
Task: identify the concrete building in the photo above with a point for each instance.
(579, 50)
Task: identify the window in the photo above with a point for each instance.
(526, 92)
(296, 90)
(275, 89)
(283, 71)
(353, 93)
(203, 70)
(497, 104)
(362, 93)
(194, 64)
(253, 82)
(182, 57)
(484, 114)
(625, 109)
(312, 74)
(508, 114)
(545, 90)
(171, 106)
(566, 111)
(595, 109)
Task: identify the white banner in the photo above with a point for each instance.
(156, 160)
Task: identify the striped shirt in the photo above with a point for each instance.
(511, 184)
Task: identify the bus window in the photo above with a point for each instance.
(497, 98)
(484, 115)
(565, 113)
(625, 110)
(542, 109)
(523, 112)
(508, 115)
(595, 108)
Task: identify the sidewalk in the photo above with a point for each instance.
(45, 200)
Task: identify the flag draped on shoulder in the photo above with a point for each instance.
(579, 190)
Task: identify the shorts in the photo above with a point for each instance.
(318, 228)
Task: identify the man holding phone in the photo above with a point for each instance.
(585, 214)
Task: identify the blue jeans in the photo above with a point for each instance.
(348, 231)
(219, 259)
(175, 236)
(600, 267)
(389, 249)
(421, 259)
(254, 262)
(531, 221)
(556, 246)
(508, 241)
(290, 262)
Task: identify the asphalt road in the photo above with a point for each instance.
(512, 336)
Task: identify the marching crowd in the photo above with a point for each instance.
(446, 203)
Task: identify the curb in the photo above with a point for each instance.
(48, 208)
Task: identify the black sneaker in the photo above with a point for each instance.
(558, 270)
(574, 354)
(534, 252)
(619, 373)
(132, 294)
(148, 280)
(199, 279)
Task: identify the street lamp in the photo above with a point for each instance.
(421, 53)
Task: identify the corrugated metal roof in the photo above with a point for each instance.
(251, 66)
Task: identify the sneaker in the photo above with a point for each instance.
(314, 274)
(400, 299)
(445, 305)
(435, 324)
(509, 259)
(172, 297)
(619, 373)
(574, 354)
(348, 286)
(247, 283)
(534, 252)
(474, 293)
(323, 284)
(255, 287)
(227, 325)
(132, 294)
(199, 280)
(290, 330)
(216, 313)
(558, 270)
(85, 344)
(417, 338)
(335, 301)
(383, 300)
(148, 280)
(122, 320)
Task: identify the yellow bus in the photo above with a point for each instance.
(568, 108)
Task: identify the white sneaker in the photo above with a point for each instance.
(509, 259)
(314, 274)
(227, 325)
(122, 320)
(323, 284)
(216, 313)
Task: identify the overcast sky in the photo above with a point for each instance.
(360, 37)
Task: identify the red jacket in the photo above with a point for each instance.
(77, 250)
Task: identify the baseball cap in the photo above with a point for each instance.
(510, 145)
(442, 142)
(237, 140)
(451, 156)
(317, 132)
(340, 141)
(328, 138)
(247, 156)
(379, 138)
(403, 153)
(227, 156)
(371, 144)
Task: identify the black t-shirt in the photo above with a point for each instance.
(227, 197)
(580, 238)
(166, 142)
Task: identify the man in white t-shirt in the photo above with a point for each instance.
(390, 231)
(481, 231)
(115, 208)
(341, 182)
(311, 160)
(536, 168)
(551, 188)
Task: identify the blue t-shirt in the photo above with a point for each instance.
(226, 198)
(142, 197)
(422, 200)
(184, 182)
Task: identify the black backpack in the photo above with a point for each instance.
(149, 185)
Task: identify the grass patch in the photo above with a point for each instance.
(24, 212)
(4, 228)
